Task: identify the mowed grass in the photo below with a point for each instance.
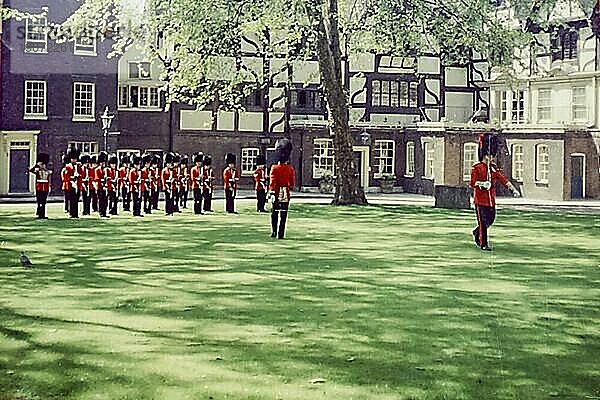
(356, 303)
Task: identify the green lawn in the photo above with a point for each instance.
(372, 303)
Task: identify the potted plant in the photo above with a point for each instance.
(386, 183)
(327, 183)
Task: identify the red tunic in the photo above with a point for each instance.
(231, 177)
(208, 178)
(80, 173)
(260, 181)
(42, 178)
(196, 177)
(145, 184)
(111, 179)
(282, 180)
(184, 178)
(99, 178)
(64, 178)
(481, 172)
(88, 178)
(134, 180)
(123, 177)
(168, 179)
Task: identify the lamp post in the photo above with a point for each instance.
(106, 118)
(365, 138)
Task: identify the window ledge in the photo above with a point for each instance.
(143, 109)
(541, 183)
(85, 53)
(35, 52)
(83, 119)
(427, 177)
(35, 117)
(409, 175)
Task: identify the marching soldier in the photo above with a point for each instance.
(260, 181)
(94, 185)
(197, 184)
(87, 179)
(168, 182)
(73, 181)
(100, 183)
(124, 182)
(42, 183)
(231, 178)
(282, 180)
(155, 181)
(184, 181)
(146, 186)
(112, 185)
(177, 181)
(208, 182)
(64, 178)
(135, 185)
(484, 176)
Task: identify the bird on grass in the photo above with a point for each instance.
(25, 261)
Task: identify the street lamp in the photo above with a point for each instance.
(106, 118)
(365, 138)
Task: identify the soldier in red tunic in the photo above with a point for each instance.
(484, 176)
(177, 181)
(146, 186)
(74, 181)
(42, 183)
(282, 179)
(231, 178)
(112, 185)
(124, 183)
(155, 181)
(196, 175)
(94, 183)
(260, 183)
(208, 179)
(87, 176)
(101, 186)
(168, 182)
(135, 185)
(64, 179)
(184, 186)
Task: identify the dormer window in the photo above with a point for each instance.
(564, 44)
(139, 70)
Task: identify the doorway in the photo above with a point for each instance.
(361, 163)
(19, 166)
(577, 176)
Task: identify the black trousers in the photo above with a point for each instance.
(168, 202)
(112, 202)
(102, 202)
(207, 194)
(229, 201)
(87, 198)
(175, 204)
(73, 203)
(147, 202)
(261, 200)
(126, 195)
(137, 204)
(485, 218)
(197, 201)
(279, 217)
(66, 193)
(155, 194)
(183, 196)
(41, 196)
(94, 195)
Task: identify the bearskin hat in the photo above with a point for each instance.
(184, 159)
(230, 158)
(94, 159)
(147, 158)
(168, 158)
(488, 145)
(102, 157)
(207, 160)
(261, 159)
(198, 157)
(84, 159)
(283, 149)
(113, 159)
(155, 159)
(73, 153)
(125, 159)
(136, 159)
(43, 158)
(65, 160)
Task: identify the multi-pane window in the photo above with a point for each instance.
(579, 105)
(386, 93)
(36, 34)
(139, 70)
(512, 106)
(503, 106)
(249, 160)
(85, 147)
(517, 162)
(410, 159)
(255, 99)
(305, 98)
(544, 105)
(542, 165)
(144, 97)
(83, 100)
(138, 97)
(154, 100)
(123, 96)
(469, 158)
(85, 45)
(564, 44)
(429, 159)
(322, 157)
(35, 98)
(384, 157)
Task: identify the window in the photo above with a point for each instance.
(36, 34)
(429, 154)
(139, 70)
(503, 106)
(517, 162)
(85, 147)
(542, 164)
(384, 157)
(394, 93)
(249, 160)
(322, 157)
(255, 99)
(143, 96)
(306, 99)
(470, 151)
(85, 46)
(35, 99)
(154, 100)
(138, 97)
(564, 44)
(123, 96)
(544, 105)
(410, 159)
(579, 104)
(518, 107)
(83, 100)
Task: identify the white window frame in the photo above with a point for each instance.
(545, 108)
(123, 90)
(470, 158)
(85, 49)
(504, 106)
(383, 161)
(542, 164)
(324, 158)
(518, 164)
(410, 160)
(90, 148)
(579, 107)
(150, 106)
(84, 117)
(138, 63)
(43, 115)
(429, 160)
(43, 50)
(248, 160)
(518, 107)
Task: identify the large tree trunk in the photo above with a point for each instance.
(347, 188)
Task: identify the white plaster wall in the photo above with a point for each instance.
(251, 121)
(195, 120)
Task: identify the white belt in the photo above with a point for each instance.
(42, 181)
